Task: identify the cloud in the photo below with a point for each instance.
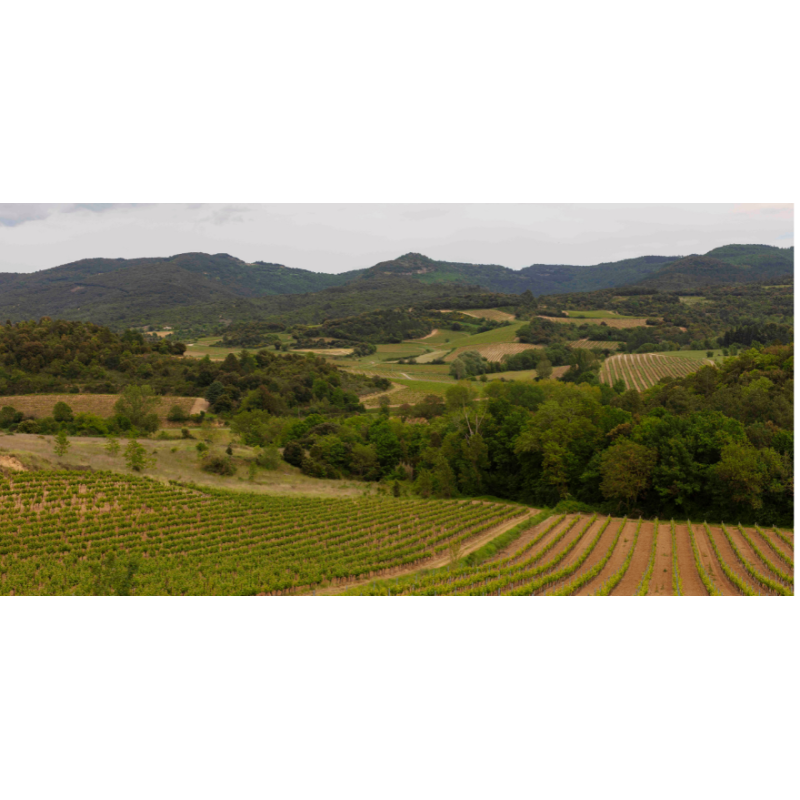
(13, 214)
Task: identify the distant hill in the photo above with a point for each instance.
(724, 265)
(196, 288)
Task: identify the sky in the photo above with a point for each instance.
(338, 237)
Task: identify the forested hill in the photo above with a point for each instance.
(192, 288)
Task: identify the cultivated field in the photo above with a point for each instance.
(105, 533)
(576, 554)
(611, 322)
(641, 371)
(489, 313)
(492, 352)
(594, 344)
(41, 405)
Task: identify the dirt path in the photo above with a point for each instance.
(690, 577)
(641, 558)
(711, 565)
(726, 551)
(661, 579)
(617, 557)
(433, 563)
(432, 333)
(200, 405)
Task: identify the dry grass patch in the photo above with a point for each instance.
(494, 351)
(41, 405)
(632, 322)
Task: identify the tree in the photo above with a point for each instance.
(627, 469)
(136, 456)
(112, 445)
(62, 443)
(544, 369)
(62, 412)
(137, 403)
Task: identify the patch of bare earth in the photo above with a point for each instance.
(729, 557)
(661, 579)
(600, 550)
(525, 539)
(755, 561)
(432, 563)
(11, 464)
(629, 584)
(617, 559)
(432, 333)
(690, 577)
(711, 565)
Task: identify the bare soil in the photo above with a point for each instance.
(519, 556)
(711, 565)
(755, 561)
(641, 558)
(433, 563)
(617, 557)
(661, 579)
(597, 555)
(432, 333)
(690, 577)
(726, 551)
(526, 537)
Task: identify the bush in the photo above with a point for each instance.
(62, 412)
(177, 414)
(185, 434)
(217, 465)
(268, 458)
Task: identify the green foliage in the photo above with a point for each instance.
(217, 465)
(136, 457)
(62, 412)
(61, 444)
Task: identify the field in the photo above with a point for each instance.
(576, 554)
(492, 352)
(611, 322)
(642, 371)
(489, 313)
(104, 533)
(41, 405)
(596, 314)
(590, 344)
(524, 374)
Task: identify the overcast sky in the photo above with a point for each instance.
(335, 238)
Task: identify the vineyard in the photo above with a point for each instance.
(594, 344)
(641, 371)
(103, 533)
(574, 554)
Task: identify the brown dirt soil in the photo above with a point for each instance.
(526, 537)
(617, 558)
(690, 577)
(11, 463)
(585, 540)
(661, 579)
(41, 405)
(641, 557)
(597, 554)
(731, 560)
(711, 564)
(432, 333)
(779, 543)
(432, 563)
(519, 555)
(754, 560)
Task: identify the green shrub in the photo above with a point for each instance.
(217, 465)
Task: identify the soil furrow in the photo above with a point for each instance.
(690, 577)
(617, 557)
(726, 551)
(518, 556)
(712, 567)
(771, 537)
(641, 557)
(600, 549)
(527, 536)
(752, 557)
(661, 579)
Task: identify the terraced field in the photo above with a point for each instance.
(576, 554)
(641, 371)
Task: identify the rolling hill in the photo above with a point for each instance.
(197, 288)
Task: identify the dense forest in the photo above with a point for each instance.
(715, 444)
(52, 357)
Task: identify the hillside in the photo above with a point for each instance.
(725, 265)
(197, 289)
